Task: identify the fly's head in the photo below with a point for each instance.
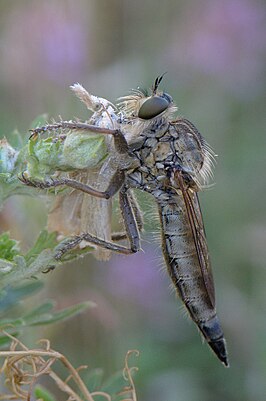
(144, 107)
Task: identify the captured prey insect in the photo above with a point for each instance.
(168, 158)
(76, 212)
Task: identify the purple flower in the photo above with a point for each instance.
(138, 278)
(225, 39)
(47, 40)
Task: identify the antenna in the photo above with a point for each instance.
(157, 82)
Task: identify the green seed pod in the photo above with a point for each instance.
(44, 156)
(83, 150)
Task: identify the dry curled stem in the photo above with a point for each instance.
(22, 367)
(129, 390)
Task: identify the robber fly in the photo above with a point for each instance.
(169, 159)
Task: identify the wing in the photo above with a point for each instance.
(197, 227)
(75, 213)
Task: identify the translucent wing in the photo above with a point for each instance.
(196, 223)
(76, 212)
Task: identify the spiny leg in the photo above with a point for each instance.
(136, 209)
(130, 226)
(130, 221)
(120, 143)
(115, 184)
(138, 216)
(73, 242)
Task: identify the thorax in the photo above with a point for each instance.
(159, 149)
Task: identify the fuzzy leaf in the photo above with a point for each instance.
(45, 240)
(16, 140)
(64, 314)
(40, 258)
(114, 383)
(8, 156)
(44, 314)
(10, 296)
(5, 340)
(39, 310)
(94, 379)
(10, 185)
(39, 121)
(8, 247)
(74, 253)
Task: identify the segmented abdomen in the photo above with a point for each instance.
(183, 265)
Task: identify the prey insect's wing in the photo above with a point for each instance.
(64, 214)
(96, 217)
(192, 204)
(75, 212)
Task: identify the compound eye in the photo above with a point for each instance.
(152, 107)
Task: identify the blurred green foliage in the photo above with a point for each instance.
(14, 268)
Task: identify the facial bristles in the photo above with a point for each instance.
(130, 104)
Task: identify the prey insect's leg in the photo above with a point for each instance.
(131, 229)
(137, 214)
(114, 185)
(120, 142)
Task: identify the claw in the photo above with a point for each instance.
(48, 269)
(33, 183)
(24, 179)
(34, 135)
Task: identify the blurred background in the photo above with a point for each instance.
(214, 53)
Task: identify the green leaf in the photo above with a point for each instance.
(11, 322)
(25, 290)
(114, 383)
(16, 139)
(43, 314)
(5, 340)
(6, 267)
(41, 393)
(8, 156)
(39, 310)
(94, 379)
(10, 185)
(74, 253)
(45, 240)
(61, 315)
(8, 247)
(39, 121)
(10, 296)
(40, 258)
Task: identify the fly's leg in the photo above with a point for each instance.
(115, 184)
(73, 242)
(130, 221)
(136, 210)
(120, 143)
(130, 226)
(137, 214)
